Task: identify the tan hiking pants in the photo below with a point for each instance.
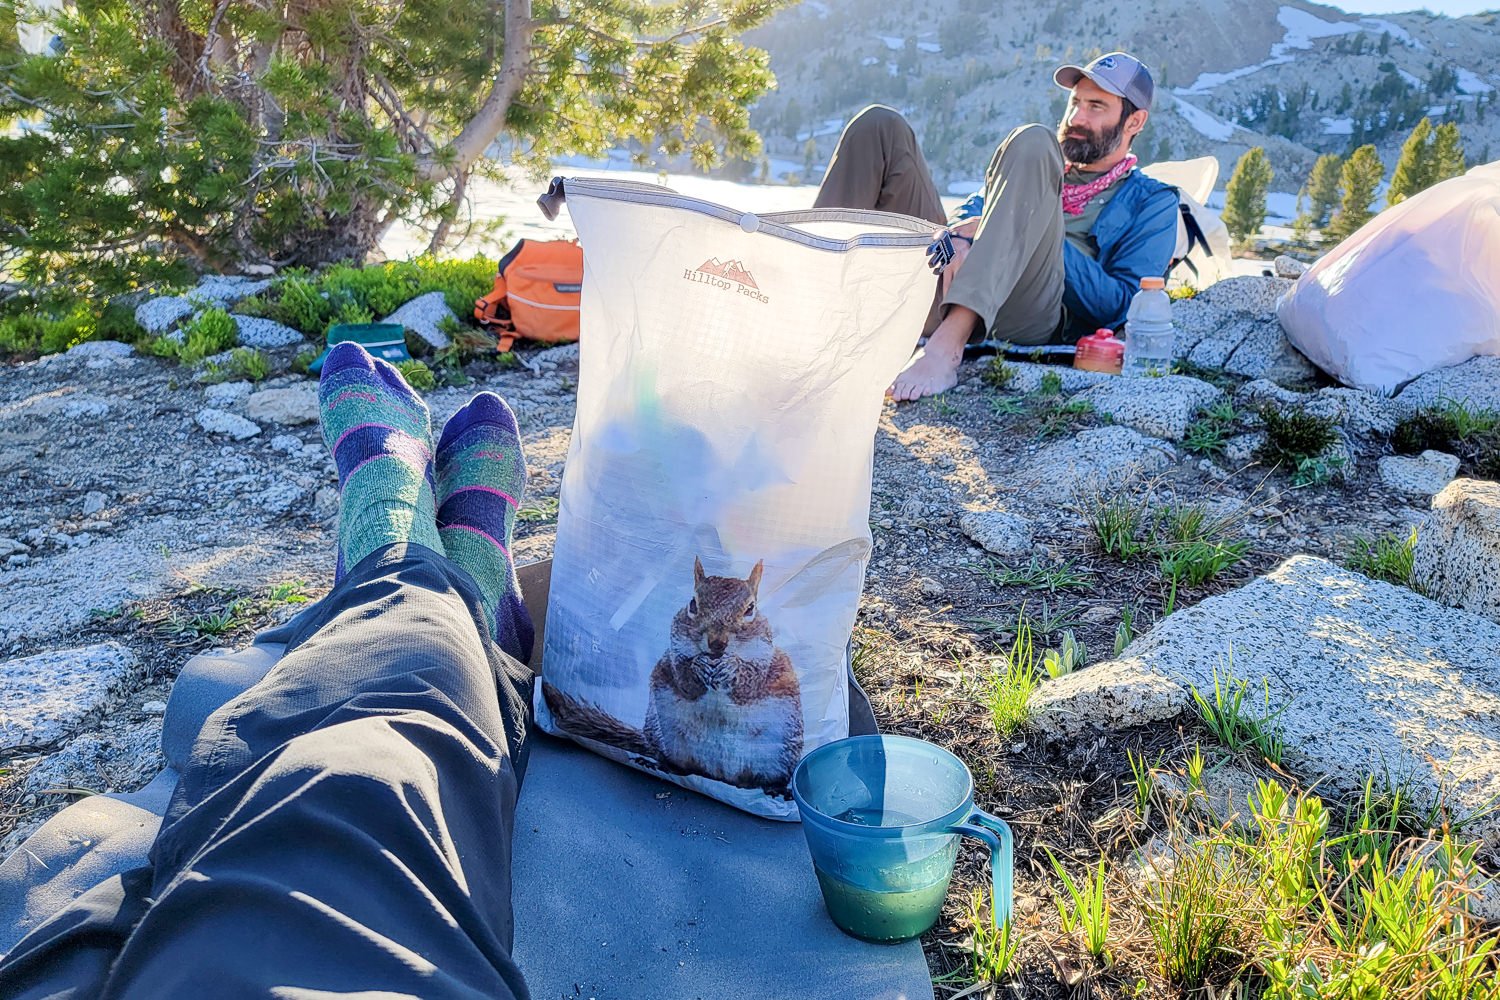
(1013, 275)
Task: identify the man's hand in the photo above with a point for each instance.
(963, 239)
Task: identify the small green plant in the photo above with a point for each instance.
(1116, 522)
(542, 508)
(1229, 719)
(1063, 418)
(1192, 912)
(1089, 908)
(1068, 657)
(1051, 384)
(302, 363)
(1317, 471)
(1388, 557)
(1195, 563)
(1125, 630)
(199, 626)
(1002, 406)
(1296, 440)
(1039, 575)
(249, 363)
(1182, 292)
(211, 332)
(417, 375)
(1195, 765)
(1207, 434)
(1011, 681)
(288, 592)
(944, 406)
(998, 373)
(993, 946)
(1143, 783)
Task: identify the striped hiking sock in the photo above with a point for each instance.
(481, 475)
(380, 434)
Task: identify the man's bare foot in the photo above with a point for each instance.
(928, 373)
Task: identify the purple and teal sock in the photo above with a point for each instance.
(481, 475)
(380, 435)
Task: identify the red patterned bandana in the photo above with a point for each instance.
(1076, 196)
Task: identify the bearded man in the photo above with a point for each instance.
(1058, 241)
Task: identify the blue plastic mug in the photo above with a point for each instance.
(883, 815)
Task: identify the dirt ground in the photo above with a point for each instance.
(935, 607)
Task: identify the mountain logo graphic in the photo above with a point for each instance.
(731, 269)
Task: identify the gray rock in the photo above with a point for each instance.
(256, 331)
(1157, 407)
(1242, 448)
(227, 393)
(225, 290)
(1288, 267)
(223, 422)
(561, 354)
(10, 547)
(1223, 796)
(101, 349)
(1475, 383)
(1116, 695)
(154, 708)
(278, 498)
(1457, 560)
(1265, 352)
(1097, 460)
(422, 315)
(1001, 533)
(1422, 476)
(1360, 413)
(286, 443)
(94, 502)
(42, 697)
(289, 407)
(1028, 377)
(1217, 345)
(161, 314)
(1368, 678)
(108, 761)
(1255, 295)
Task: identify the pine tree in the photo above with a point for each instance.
(1323, 189)
(809, 159)
(298, 133)
(1448, 153)
(1415, 169)
(1360, 180)
(1245, 196)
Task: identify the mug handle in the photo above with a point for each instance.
(997, 836)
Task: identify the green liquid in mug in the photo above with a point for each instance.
(882, 916)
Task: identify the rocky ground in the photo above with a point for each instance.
(151, 516)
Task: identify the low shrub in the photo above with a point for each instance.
(211, 332)
(1298, 441)
(1386, 557)
(30, 327)
(348, 294)
(417, 375)
(998, 373)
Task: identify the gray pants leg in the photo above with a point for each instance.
(1013, 275)
(879, 165)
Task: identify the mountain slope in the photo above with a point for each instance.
(1297, 78)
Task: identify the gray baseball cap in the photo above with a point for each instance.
(1119, 73)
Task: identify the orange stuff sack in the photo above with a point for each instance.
(536, 294)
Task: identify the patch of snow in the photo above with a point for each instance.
(892, 42)
(1338, 126)
(1281, 206)
(929, 47)
(1208, 125)
(830, 126)
(1412, 78)
(822, 9)
(1398, 33)
(1437, 110)
(1301, 28)
(869, 60)
(1470, 83)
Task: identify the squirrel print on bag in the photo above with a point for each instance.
(724, 700)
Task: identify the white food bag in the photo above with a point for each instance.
(1415, 288)
(713, 531)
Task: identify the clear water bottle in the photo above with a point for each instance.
(1149, 337)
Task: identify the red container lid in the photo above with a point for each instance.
(1100, 351)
